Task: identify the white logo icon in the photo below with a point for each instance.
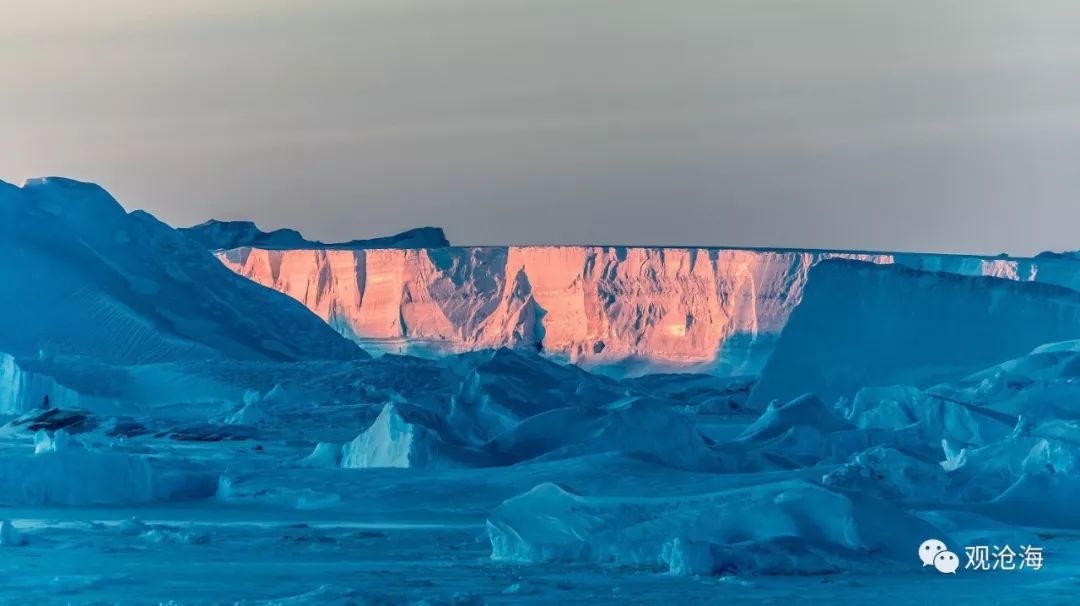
(933, 552)
(930, 549)
(946, 562)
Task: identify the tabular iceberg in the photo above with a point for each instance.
(618, 310)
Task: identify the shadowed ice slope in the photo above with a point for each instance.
(81, 276)
(862, 324)
(624, 311)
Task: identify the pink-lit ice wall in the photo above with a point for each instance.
(615, 309)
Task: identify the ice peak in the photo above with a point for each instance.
(221, 235)
(63, 197)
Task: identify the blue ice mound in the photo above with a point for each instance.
(1039, 500)
(125, 288)
(635, 426)
(801, 432)
(892, 474)
(996, 442)
(696, 393)
(325, 454)
(262, 409)
(790, 527)
(506, 387)
(64, 472)
(890, 407)
(1038, 386)
(255, 392)
(928, 416)
(406, 436)
(509, 408)
(804, 411)
(987, 472)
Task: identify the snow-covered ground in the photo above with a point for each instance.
(191, 437)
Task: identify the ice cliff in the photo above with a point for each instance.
(613, 309)
(23, 389)
(84, 277)
(865, 325)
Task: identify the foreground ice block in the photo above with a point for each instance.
(61, 471)
(791, 527)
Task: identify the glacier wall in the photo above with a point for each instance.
(867, 325)
(621, 310)
(23, 390)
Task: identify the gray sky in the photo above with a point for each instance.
(911, 125)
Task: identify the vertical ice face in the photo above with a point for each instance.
(623, 310)
(862, 324)
(22, 390)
